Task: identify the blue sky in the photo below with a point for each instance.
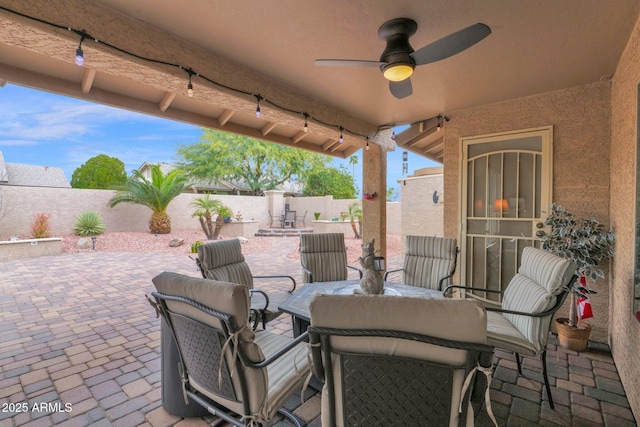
(40, 128)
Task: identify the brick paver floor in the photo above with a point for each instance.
(79, 345)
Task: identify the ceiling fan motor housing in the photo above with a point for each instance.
(397, 51)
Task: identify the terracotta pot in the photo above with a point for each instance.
(573, 338)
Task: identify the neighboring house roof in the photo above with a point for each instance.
(31, 175)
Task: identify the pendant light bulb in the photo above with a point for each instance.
(79, 57)
(80, 53)
(341, 137)
(438, 129)
(306, 124)
(393, 135)
(258, 113)
(367, 147)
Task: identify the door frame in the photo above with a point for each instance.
(546, 184)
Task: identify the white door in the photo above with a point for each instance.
(506, 192)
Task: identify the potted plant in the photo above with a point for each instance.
(316, 215)
(586, 242)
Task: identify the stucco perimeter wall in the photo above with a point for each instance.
(65, 204)
(581, 120)
(624, 329)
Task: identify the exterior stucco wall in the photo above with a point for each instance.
(624, 329)
(581, 122)
(420, 215)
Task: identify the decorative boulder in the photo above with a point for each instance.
(174, 243)
(84, 243)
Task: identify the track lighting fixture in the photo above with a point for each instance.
(258, 97)
(79, 53)
(341, 137)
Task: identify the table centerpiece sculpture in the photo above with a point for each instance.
(371, 282)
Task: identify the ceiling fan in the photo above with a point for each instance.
(398, 59)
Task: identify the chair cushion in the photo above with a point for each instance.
(323, 254)
(546, 269)
(223, 260)
(428, 259)
(534, 289)
(502, 334)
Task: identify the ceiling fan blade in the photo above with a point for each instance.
(347, 63)
(451, 44)
(401, 89)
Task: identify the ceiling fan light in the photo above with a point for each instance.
(397, 73)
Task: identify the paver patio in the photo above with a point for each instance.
(81, 346)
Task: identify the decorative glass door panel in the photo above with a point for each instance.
(506, 180)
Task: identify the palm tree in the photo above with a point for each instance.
(206, 207)
(353, 161)
(155, 194)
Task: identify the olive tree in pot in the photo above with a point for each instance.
(586, 242)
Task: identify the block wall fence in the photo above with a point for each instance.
(20, 204)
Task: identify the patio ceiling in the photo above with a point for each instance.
(268, 47)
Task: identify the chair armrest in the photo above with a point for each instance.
(278, 354)
(468, 288)
(316, 356)
(279, 277)
(306, 270)
(391, 271)
(441, 281)
(356, 269)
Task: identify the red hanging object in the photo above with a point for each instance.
(583, 303)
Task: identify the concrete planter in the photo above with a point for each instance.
(27, 248)
(239, 228)
(333, 227)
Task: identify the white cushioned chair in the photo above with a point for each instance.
(429, 262)
(381, 370)
(521, 323)
(240, 375)
(323, 257)
(223, 260)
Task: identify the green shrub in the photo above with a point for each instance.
(194, 246)
(89, 223)
(40, 226)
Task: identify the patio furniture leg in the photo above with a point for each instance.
(543, 356)
(519, 363)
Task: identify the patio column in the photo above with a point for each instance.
(374, 180)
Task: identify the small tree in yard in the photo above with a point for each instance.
(206, 208)
(355, 213)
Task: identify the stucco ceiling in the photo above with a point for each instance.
(535, 46)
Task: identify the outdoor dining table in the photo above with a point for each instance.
(298, 304)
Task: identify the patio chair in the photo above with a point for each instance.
(239, 375)
(289, 219)
(223, 260)
(302, 219)
(429, 262)
(378, 369)
(323, 257)
(274, 218)
(521, 323)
